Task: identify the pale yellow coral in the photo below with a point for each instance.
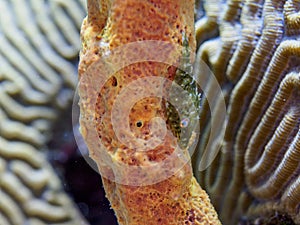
(256, 174)
(37, 40)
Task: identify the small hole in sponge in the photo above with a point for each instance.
(114, 81)
(139, 123)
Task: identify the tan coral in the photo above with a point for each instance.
(36, 83)
(176, 198)
(258, 164)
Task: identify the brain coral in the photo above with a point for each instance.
(253, 48)
(38, 41)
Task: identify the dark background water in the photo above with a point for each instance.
(79, 179)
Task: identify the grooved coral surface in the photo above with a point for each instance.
(253, 50)
(38, 41)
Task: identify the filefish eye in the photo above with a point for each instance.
(184, 122)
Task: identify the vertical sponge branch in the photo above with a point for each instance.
(132, 50)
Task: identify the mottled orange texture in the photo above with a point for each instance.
(178, 199)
